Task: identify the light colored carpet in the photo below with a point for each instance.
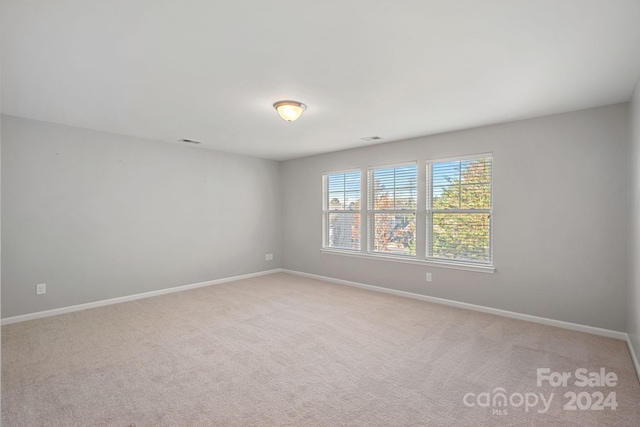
(282, 350)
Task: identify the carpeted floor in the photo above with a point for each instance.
(283, 350)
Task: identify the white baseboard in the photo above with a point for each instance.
(70, 309)
(634, 358)
(529, 318)
(535, 319)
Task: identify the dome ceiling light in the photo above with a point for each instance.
(290, 110)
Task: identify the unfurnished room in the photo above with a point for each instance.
(320, 213)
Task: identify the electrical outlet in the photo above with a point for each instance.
(268, 257)
(428, 277)
(41, 288)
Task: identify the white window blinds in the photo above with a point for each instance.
(459, 210)
(341, 210)
(391, 214)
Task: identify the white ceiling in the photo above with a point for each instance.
(211, 70)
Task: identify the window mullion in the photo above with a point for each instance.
(364, 200)
(428, 191)
(459, 184)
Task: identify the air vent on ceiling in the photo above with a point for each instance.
(371, 138)
(190, 141)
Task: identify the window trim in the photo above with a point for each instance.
(370, 211)
(430, 211)
(326, 211)
(409, 260)
(423, 178)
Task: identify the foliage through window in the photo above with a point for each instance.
(454, 213)
(392, 210)
(341, 210)
(459, 210)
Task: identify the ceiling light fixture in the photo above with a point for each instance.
(289, 110)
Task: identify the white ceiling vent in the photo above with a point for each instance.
(371, 138)
(190, 141)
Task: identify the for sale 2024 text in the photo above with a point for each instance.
(582, 377)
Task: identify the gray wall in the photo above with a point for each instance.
(560, 215)
(97, 215)
(633, 306)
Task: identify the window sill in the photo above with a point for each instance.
(414, 261)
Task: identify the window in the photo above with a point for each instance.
(391, 213)
(440, 215)
(341, 210)
(459, 207)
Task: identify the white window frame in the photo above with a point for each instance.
(326, 211)
(430, 211)
(422, 235)
(371, 211)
